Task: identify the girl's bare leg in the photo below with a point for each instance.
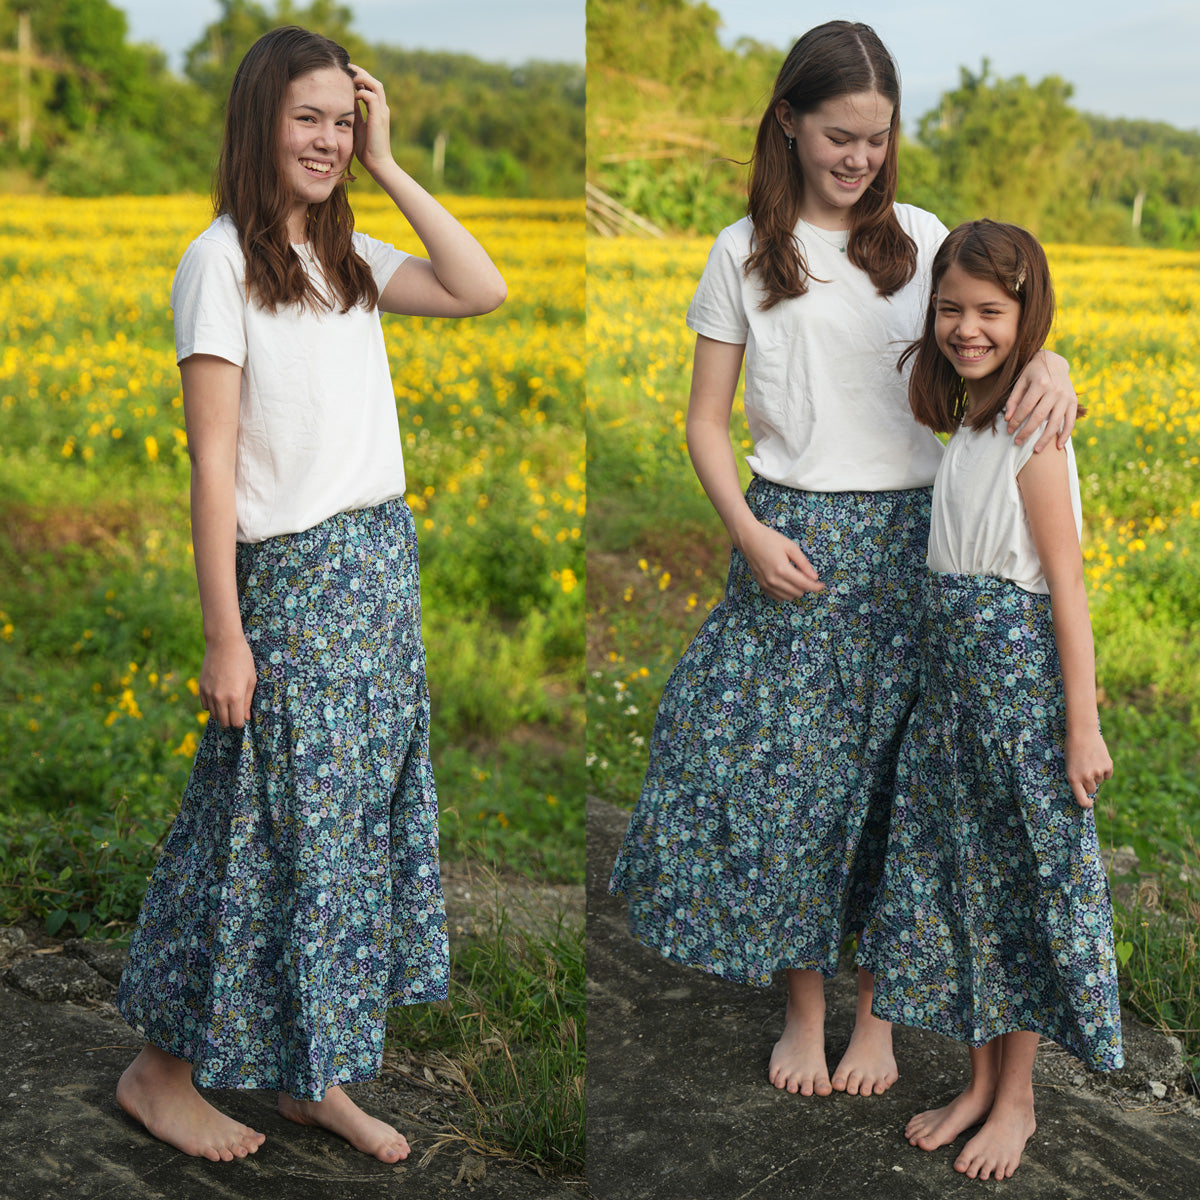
(940, 1126)
(868, 1068)
(798, 1060)
(995, 1151)
(157, 1090)
(339, 1114)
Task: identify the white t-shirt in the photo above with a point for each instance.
(317, 429)
(826, 407)
(978, 524)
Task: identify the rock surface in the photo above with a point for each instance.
(679, 1107)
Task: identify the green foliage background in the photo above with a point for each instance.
(672, 114)
(109, 117)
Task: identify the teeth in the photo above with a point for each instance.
(324, 168)
(972, 351)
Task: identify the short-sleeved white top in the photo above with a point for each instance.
(317, 429)
(826, 407)
(978, 524)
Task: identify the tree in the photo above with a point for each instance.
(1003, 147)
(213, 60)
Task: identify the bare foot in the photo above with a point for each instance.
(940, 1126)
(339, 1114)
(995, 1151)
(798, 1060)
(868, 1067)
(157, 1090)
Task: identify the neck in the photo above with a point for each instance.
(979, 396)
(297, 224)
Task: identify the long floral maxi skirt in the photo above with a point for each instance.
(297, 896)
(994, 913)
(759, 835)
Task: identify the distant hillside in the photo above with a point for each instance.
(83, 112)
(672, 116)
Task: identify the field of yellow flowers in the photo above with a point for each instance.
(1128, 322)
(99, 623)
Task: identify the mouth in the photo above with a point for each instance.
(972, 353)
(316, 168)
(848, 181)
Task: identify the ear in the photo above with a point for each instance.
(786, 118)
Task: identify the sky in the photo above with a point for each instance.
(1135, 60)
(511, 32)
(1124, 59)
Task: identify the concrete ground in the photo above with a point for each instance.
(62, 1134)
(679, 1107)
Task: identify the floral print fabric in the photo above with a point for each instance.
(297, 896)
(759, 835)
(994, 913)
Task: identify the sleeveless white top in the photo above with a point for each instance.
(978, 525)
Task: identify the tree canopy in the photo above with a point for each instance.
(84, 112)
(672, 115)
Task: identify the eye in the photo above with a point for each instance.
(838, 141)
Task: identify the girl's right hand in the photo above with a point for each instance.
(227, 681)
(779, 566)
(1088, 765)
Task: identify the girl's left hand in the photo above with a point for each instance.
(1043, 392)
(1088, 766)
(372, 134)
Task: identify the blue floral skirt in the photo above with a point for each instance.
(759, 836)
(993, 915)
(297, 896)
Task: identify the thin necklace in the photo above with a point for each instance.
(822, 235)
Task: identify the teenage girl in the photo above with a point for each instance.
(297, 897)
(993, 923)
(760, 832)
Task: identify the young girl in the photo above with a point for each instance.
(992, 923)
(297, 896)
(759, 835)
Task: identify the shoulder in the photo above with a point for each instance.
(731, 249)
(736, 239)
(211, 267)
(923, 227)
(217, 245)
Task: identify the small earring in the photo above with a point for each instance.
(791, 142)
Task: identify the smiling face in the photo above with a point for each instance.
(316, 140)
(841, 146)
(975, 327)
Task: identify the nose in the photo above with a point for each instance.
(967, 325)
(856, 156)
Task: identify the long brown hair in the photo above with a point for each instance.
(249, 187)
(1012, 259)
(839, 58)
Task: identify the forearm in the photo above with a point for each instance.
(460, 263)
(1076, 654)
(715, 464)
(214, 544)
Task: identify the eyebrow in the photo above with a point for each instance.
(320, 111)
(851, 134)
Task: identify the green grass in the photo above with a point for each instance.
(98, 722)
(1158, 952)
(510, 1040)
